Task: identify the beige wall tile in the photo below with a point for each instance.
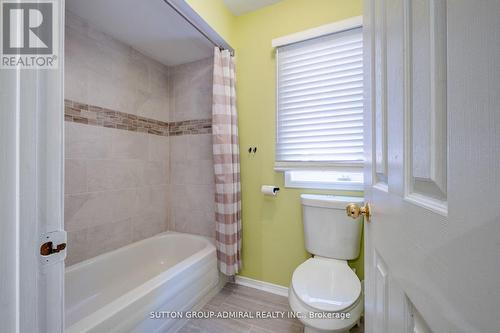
(108, 237)
(193, 209)
(192, 182)
(87, 209)
(105, 175)
(180, 172)
(103, 71)
(77, 247)
(140, 71)
(75, 176)
(124, 203)
(193, 221)
(191, 147)
(102, 90)
(200, 147)
(191, 96)
(179, 148)
(145, 226)
(156, 173)
(159, 148)
(129, 145)
(205, 174)
(193, 172)
(74, 21)
(76, 89)
(87, 142)
(143, 204)
(160, 201)
(153, 106)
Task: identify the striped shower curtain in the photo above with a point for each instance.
(226, 164)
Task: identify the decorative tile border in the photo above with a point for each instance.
(196, 126)
(94, 115)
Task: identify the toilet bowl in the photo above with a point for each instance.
(325, 293)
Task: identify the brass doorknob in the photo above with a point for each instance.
(354, 210)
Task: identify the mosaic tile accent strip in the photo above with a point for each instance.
(97, 116)
(197, 126)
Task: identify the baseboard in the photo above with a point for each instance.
(261, 285)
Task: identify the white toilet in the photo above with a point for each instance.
(325, 289)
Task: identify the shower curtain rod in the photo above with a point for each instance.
(197, 22)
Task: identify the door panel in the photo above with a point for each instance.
(31, 192)
(426, 113)
(8, 211)
(433, 243)
(381, 294)
(380, 88)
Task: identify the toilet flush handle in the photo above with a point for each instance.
(354, 210)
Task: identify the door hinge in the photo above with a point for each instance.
(53, 247)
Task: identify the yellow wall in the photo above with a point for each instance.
(215, 13)
(273, 243)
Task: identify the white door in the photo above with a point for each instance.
(432, 83)
(31, 192)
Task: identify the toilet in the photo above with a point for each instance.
(325, 292)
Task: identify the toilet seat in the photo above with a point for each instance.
(326, 284)
(314, 324)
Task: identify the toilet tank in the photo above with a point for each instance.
(328, 231)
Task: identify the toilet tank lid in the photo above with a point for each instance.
(328, 201)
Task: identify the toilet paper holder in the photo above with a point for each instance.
(269, 190)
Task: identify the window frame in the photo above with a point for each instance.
(288, 167)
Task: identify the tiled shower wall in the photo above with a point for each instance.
(124, 114)
(191, 166)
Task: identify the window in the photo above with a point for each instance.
(320, 111)
(324, 179)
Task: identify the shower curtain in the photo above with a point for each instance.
(226, 164)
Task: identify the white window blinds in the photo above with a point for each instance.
(320, 100)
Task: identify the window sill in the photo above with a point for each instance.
(318, 166)
(325, 179)
(336, 187)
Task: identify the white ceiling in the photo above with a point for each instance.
(149, 26)
(239, 7)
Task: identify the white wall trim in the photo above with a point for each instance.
(261, 285)
(350, 23)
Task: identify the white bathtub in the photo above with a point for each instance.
(116, 291)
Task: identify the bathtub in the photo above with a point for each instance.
(117, 291)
